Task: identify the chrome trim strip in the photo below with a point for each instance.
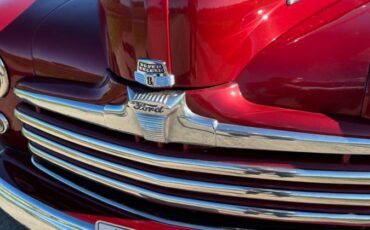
(34, 214)
(4, 79)
(292, 2)
(207, 206)
(4, 124)
(247, 171)
(200, 186)
(189, 128)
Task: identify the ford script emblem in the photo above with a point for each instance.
(158, 103)
(153, 73)
(145, 107)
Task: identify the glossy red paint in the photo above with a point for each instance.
(210, 41)
(247, 47)
(216, 102)
(11, 10)
(214, 40)
(227, 104)
(322, 65)
(16, 52)
(67, 43)
(16, 37)
(135, 29)
(224, 103)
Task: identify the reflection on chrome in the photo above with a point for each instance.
(194, 185)
(190, 128)
(4, 124)
(151, 121)
(217, 168)
(33, 213)
(4, 79)
(291, 2)
(202, 205)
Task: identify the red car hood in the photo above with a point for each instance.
(13, 10)
(206, 42)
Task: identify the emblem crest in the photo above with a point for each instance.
(153, 73)
(153, 109)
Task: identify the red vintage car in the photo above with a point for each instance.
(178, 114)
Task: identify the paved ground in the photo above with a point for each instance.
(8, 223)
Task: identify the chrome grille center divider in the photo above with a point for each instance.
(165, 117)
(160, 117)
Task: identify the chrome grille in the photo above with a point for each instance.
(246, 171)
(189, 185)
(72, 150)
(190, 128)
(153, 125)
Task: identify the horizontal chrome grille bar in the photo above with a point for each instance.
(200, 186)
(207, 206)
(113, 203)
(34, 214)
(189, 128)
(247, 171)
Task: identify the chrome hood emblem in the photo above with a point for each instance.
(154, 103)
(153, 73)
(152, 110)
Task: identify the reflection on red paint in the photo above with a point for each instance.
(11, 9)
